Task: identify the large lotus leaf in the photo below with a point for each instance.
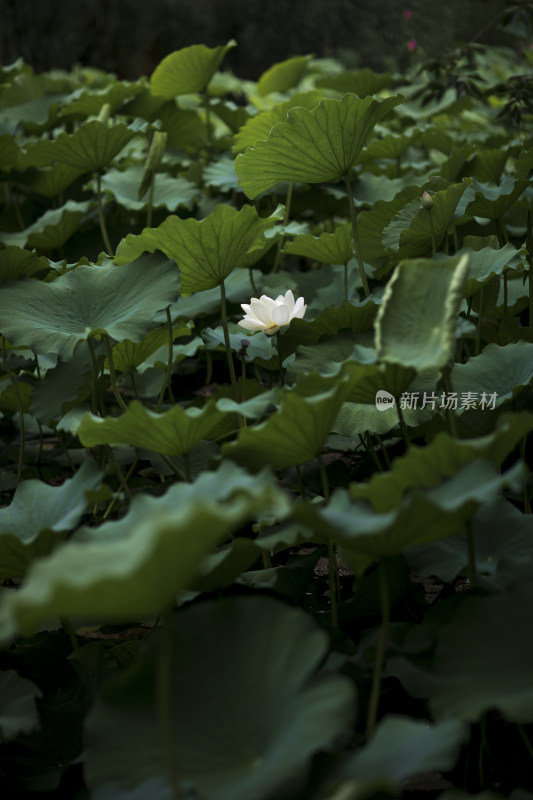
(51, 230)
(416, 323)
(206, 251)
(503, 371)
(173, 433)
(292, 435)
(356, 317)
(221, 174)
(18, 710)
(233, 741)
(493, 631)
(503, 540)
(90, 148)
(51, 181)
(65, 386)
(488, 165)
(312, 146)
(39, 516)
(259, 126)
(230, 113)
(423, 467)
(410, 233)
(362, 82)
(391, 146)
(357, 418)
(422, 516)
(128, 355)
(492, 201)
(372, 223)
(88, 101)
(330, 248)
(366, 378)
(187, 70)
(484, 262)
(15, 262)
(54, 317)
(403, 748)
(135, 567)
(283, 76)
(261, 348)
(169, 192)
(184, 127)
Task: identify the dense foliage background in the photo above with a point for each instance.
(130, 38)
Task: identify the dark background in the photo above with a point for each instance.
(130, 38)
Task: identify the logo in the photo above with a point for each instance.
(384, 400)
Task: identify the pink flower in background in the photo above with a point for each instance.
(407, 14)
(412, 45)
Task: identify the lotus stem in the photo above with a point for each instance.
(227, 343)
(280, 362)
(164, 703)
(333, 582)
(20, 406)
(403, 426)
(252, 282)
(303, 493)
(323, 478)
(94, 394)
(450, 417)
(150, 202)
(101, 218)
(346, 282)
(433, 239)
(279, 251)
(166, 382)
(525, 739)
(527, 505)
(71, 633)
(267, 561)
(113, 375)
(380, 652)
(472, 570)
(478, 333)
(355, 234)
(383, 450)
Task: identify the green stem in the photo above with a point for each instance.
(403, 426)
(333, 582)
(383, 450)
(101, 218)
(472, 571)
(229, 356)
(303, 493)
(526, 741)
(166, 382)
(13, 380)
(433, 240)
(134, 385)
(120, 474)
(177, 472)
(450, 417)
(280, 362)
(112, 374)
(150, 202)
(164, 703)
(355, 234)
(281, 241)
(71, 633)
(380, 653)
(478, 334)
(267, 561)
(94, 395)
(346, 282)
(527, 505)
(252, 282)
(505, 294)
(323, 478)
(209, 127)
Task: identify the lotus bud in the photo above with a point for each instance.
(427, 201)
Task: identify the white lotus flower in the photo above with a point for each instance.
(270, 315)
